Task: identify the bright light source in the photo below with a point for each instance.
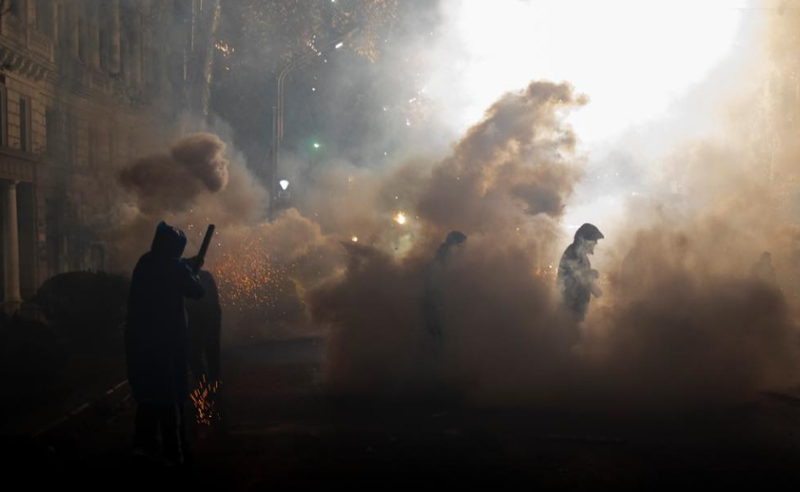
(339, 45)
(316, 145)
(284, 184)
(488, 42)
(400, 218)
(354, 239)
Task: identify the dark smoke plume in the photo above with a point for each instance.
(689, 329)
(170, 182)
(509, 163)
(503, 185)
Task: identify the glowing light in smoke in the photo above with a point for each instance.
(223, 47)
(284, 184)
(354, 239)
(400, 218)
(631, 58)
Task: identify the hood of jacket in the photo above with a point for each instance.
(169, 241)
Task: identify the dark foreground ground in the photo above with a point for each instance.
(279, 430)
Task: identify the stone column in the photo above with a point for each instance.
(13, 299)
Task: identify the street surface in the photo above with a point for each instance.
(279, 428)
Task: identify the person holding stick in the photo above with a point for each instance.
(156, 342)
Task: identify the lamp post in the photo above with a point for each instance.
(278, 110)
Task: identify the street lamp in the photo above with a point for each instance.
(283, 193)
(278, 109)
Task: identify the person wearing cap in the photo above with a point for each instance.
(156, 344)
(576, 278)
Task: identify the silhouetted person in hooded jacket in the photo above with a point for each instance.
(156, 343)
(576, 278)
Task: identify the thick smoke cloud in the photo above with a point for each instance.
(682, 326)
(509, 163)
(171, 182)
(682, 323)
(685, 327)
(503, 185)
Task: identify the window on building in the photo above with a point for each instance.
(83, 36)
(94, 145)
(123, 57)
(25, 124)
(105, 49)
(54, 236)
(106, 14)
(13, 7)
(112, 147)
(51, 131)
(72, 138)
(58, 147)
(44, 17)
(63, 33)
(3, 116)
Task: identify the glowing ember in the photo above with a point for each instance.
(400, 218)
(204, 400)
(249, 278)
(224, 48)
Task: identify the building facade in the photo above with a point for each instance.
(85, 86)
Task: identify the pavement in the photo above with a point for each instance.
(279, 428)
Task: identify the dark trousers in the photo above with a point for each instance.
(150, 417)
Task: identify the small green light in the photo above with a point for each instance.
(316, 145)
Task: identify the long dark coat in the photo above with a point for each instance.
(155, 333)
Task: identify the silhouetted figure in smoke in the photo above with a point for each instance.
(430, 300)
(576, 279)
(763, 269)
(205, 323)
(156, 343)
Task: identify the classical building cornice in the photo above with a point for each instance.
(26, 51)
